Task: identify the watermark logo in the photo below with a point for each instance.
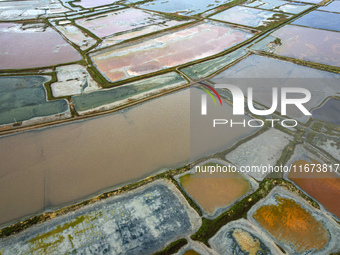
(206, 89)
(239, 100)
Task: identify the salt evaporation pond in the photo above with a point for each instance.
(190, 7)
(323, 186)
(209, 67)
(249, 16)
(126, 20)
(296, 225)
(214, 191)
(77, 36)
(52, 167)
(124, 224)
(167, 50)
(46, 47)
(278, 5)
(286, 221)
(319, 19)
(265, 73)
(24, 97)
(242, 238)
(110, 98)
(309, 44)
(29, 9)
(91, 4)
(329, 111)
(332, 7)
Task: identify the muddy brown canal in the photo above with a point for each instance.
(52, 167)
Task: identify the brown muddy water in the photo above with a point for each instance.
(324, 187)
(56, 166)
(215, 192)
(52, 167)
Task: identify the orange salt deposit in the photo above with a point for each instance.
(293, 225)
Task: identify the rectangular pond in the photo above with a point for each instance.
(309, 44)
(77, 36)
(298, 227)
(190, 7)
(278, 5)
(323, 186)
(43, 47)
(241, 237)
(129, 22)
(206, 68)
(265, 149)
(30, 9)
(92, 4)
(319, 19)
(23, 98)
(329, 111)
(264, 73)
(110, 98)
(249, 16)
(215, 191)
(331, 7)
(138, 222)
(167, 51)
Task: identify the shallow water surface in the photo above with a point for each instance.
(168, 50)
(24, 97)
(319, 19)
(309, 44)
(190, 7)
(329, 111)
(43, 47)
(248, 16)
(215, 192)
(324, 187)
(70, 162)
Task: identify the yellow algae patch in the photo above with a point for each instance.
(246, 242)
(190, 252)
(293, 225)
(213, 193)
(49, 242)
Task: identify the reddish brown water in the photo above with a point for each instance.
(324, 187)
